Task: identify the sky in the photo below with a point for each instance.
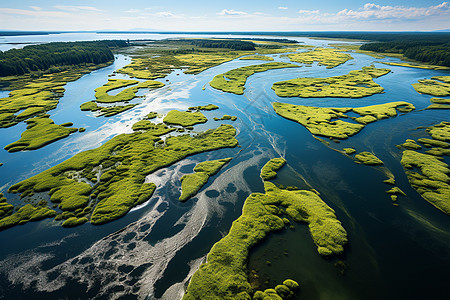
(230, 15)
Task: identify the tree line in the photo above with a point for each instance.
(50, 56)
(436, 52)
(228, 44)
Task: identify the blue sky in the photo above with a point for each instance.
(231, 15)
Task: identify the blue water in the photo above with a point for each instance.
(393, 252)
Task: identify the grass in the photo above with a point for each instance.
(234, 81)
(270, 168)
(440, 132)
(349, 151)
(280, 292)
(426, 172)
(204, 107)
(125, 161)
(356, 84)
(176, 117)
(102, 96)
(149, 66)
(36, 96)
(257, 57)
(149, 125)
(416, 65)
(436, 86)
(431, 142)
(226, 117)
(439, 103)
(324, 56)
(432, 182)
(410, 144)
(26, 214)
(40, 131)
(224, 275)
(368, 158)
(5, 208)
(74, 221)
(325, 121)
(192, 183)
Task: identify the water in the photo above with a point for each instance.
(393, 252)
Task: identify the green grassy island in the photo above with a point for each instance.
(257, 57)
(184, 119)
(322, 120)
(433, 180)
(436, 86)
(356, 84)
(110, 180)
(325, 56)
(439, 103)
(224, 275)
(40, 131)
(102, 96)
(234, 81)
(270, 168)
(192, 183)
(368, 158)
(204, 107)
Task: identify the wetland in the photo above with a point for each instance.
(183, 170)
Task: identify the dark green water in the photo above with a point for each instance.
(393, 252)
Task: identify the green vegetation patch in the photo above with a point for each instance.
(415, 65)
(224, 275)
(325, 56)
(433, 181)
(270, 168)
(74, 221)
(102, 96)
(431, 142)
(440, 132)
(256, 57)
(368, 158)
(436, 86)
(36, 96)
(204, 107)
(184, 118)
(234, 81)
(26, 214)
(192, 183)
(5, 208)
(356, 84)
(280, 292)
(410, 144)
(40, 131)
(226, 117)
(325, 121)
(159, 67)
(349, 151)
(439, 103)
(125, 161)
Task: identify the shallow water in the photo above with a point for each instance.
(393, 252)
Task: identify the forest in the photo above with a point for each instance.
(228, 44)
(436, 52)
(50, 57)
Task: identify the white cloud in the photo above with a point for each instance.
(77, 8)
(132, 11)
(308, 12)
(36, 7)
(375, 11)
(165, 14)
(282, 7)
(35, 13)
(231, 12)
